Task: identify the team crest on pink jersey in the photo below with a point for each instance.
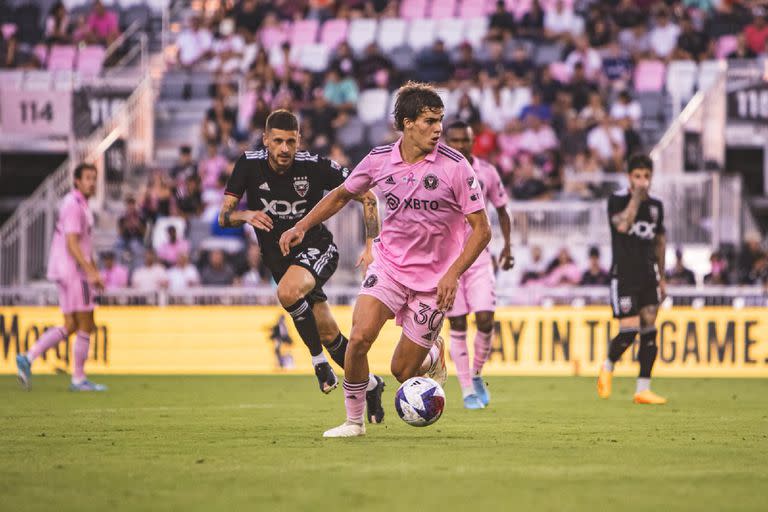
(472, 182)
(431, 182)
(301, 185)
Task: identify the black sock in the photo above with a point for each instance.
(620, 343)
(647, 353)
(304, 320)
(338, 348)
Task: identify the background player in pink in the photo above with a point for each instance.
(476, 291)
(71, 266)
(429, 192)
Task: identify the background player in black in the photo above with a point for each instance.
(282, 185)
(637, 276)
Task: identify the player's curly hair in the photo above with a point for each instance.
(639, 161)
(414, 98)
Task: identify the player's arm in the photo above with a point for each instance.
(506, 260)
(372, 227)
(91, 272)
(660, 248)
(230, 217)
(624, 219)
(476, 243)
(328, 206)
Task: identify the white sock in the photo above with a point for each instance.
(320, 358)
(608, 365)
(643, 384)
(372, 383)
(465, 392)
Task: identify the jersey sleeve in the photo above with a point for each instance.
(614, 206)
(333, 172)
(496, 192)
(466, 189)
(72, 220)
(361, 180)
(237, 180)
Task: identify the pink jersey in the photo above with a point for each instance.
(74, 217)
(425, 207)
(494, 194)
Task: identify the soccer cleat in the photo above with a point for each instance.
(649, 397)
(24, 371)
(373, 402)
(437, 371)
(473, 402)
(481, 390)
(346, 429)
(604, 381)
(87, 385)
(325, 377)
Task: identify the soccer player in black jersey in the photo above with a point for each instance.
(282, 185)
(637, 276)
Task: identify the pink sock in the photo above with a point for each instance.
(49, 339)
(82, 343)
(482, 350)
(354, 400)
(460, 356)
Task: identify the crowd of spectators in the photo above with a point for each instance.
(542, 122)
(99, 26)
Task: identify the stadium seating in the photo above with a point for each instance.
(725, 45)
(372, 105)
(61, 57)
(392, 32)
(451, 31)
(472, 9)
(90, 60)
(422, 34)
(271, 37)
(443, 9)
(362, 32)
(681, 80)
(413, 9)
(304, 32)
(314, 57)
(334, 32)
(709, 70)
(476, 29)
(649, 76)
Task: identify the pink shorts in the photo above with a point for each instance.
(416, 312)
(477, 291)
(75, 295)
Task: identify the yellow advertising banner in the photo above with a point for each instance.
(708, 342)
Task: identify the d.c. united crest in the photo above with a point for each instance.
(301, 186)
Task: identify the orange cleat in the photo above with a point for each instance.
(649, 397)
(604, 381)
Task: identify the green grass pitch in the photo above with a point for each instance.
(254, 443)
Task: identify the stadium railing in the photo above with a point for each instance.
(575, 296)
(25, 238)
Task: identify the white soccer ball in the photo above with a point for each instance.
(420, 401)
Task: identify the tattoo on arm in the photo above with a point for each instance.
(623, 220)
(371, 215)
(227, 208)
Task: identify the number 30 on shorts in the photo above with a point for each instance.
(433, 320)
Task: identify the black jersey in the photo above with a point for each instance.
(634, 252)
(287, 197)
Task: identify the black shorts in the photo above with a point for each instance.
(627, 299)
(320, 258)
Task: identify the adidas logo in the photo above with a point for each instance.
(264, 186)
(390, 180)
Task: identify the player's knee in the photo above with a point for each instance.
(402, 371)
(359, 343)
(70, 326)
(288, 294)
(484, 322)
(327, 335)
(458, 323)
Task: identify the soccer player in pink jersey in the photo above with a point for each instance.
(476, 293)
(71, 266)
(429, 192)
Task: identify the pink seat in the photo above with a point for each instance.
(334, 32)
(90, 60)
(444, 9)
(726, 45)
(272, 36)
(304, 32)
(8, 29)
(560, 72)
(61, 58)
(413, 9)
(41, 52)
(472, 9)
(650, 76)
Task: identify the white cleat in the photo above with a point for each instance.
(346, 429)
(437, 371)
